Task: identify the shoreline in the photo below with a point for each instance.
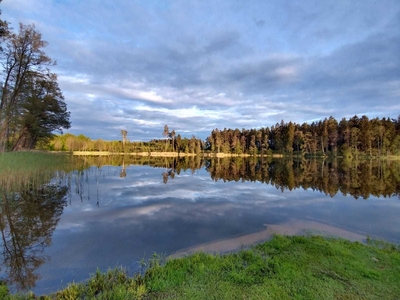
(290, 228)
(218, 155)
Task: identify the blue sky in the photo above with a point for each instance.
(200, 65)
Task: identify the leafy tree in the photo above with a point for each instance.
(333, 134)
(259, 135)
(344, 134)
(265, 140)
(243, 140)
(234, 141)
(178, 143)
(323, 134)
(354, 136)
(193, 147)
(28, 85)
(99, 145)
(298, 139)
(42, 112)
(278, 136)
(366, 135)
(217, 140)
(252, 146)
(290, 137)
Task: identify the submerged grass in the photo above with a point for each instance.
(29, 168)
(295, 267)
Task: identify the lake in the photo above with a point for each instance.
(117, 211)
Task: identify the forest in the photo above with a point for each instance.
(351, 137)
(354, 137)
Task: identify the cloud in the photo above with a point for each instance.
(197, 66)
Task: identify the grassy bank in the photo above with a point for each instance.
(22, 168)
(283, 268)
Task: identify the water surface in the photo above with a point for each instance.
(117, 212)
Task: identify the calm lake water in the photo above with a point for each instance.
(118, 211)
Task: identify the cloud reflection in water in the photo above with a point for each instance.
(139, 214)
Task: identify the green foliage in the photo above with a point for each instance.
(114, 284)
(352, 138)
(70, 142)
(4, 292)
(285, 267)
(355, 136)
(31, 105)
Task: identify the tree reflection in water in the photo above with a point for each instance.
(358, 178)
(27, 221)
(362, 178)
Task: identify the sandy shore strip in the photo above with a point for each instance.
(106, 153)
(293, 227)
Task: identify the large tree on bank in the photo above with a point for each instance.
(31, 104)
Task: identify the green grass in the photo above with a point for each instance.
(296, 267)
(29, 168)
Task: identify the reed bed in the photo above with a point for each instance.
(29, 169)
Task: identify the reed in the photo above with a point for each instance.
(21, 169)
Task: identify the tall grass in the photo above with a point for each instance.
(26, 169)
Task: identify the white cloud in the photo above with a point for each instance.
(235, 65)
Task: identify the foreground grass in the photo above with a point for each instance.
(29, 168)
(283, 268)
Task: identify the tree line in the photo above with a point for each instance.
(353, 137)
(70, 142)
(32, 105)
(349, 137)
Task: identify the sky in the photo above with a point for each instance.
(200, 65)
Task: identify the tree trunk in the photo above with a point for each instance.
(4, 135)
(22, 141)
